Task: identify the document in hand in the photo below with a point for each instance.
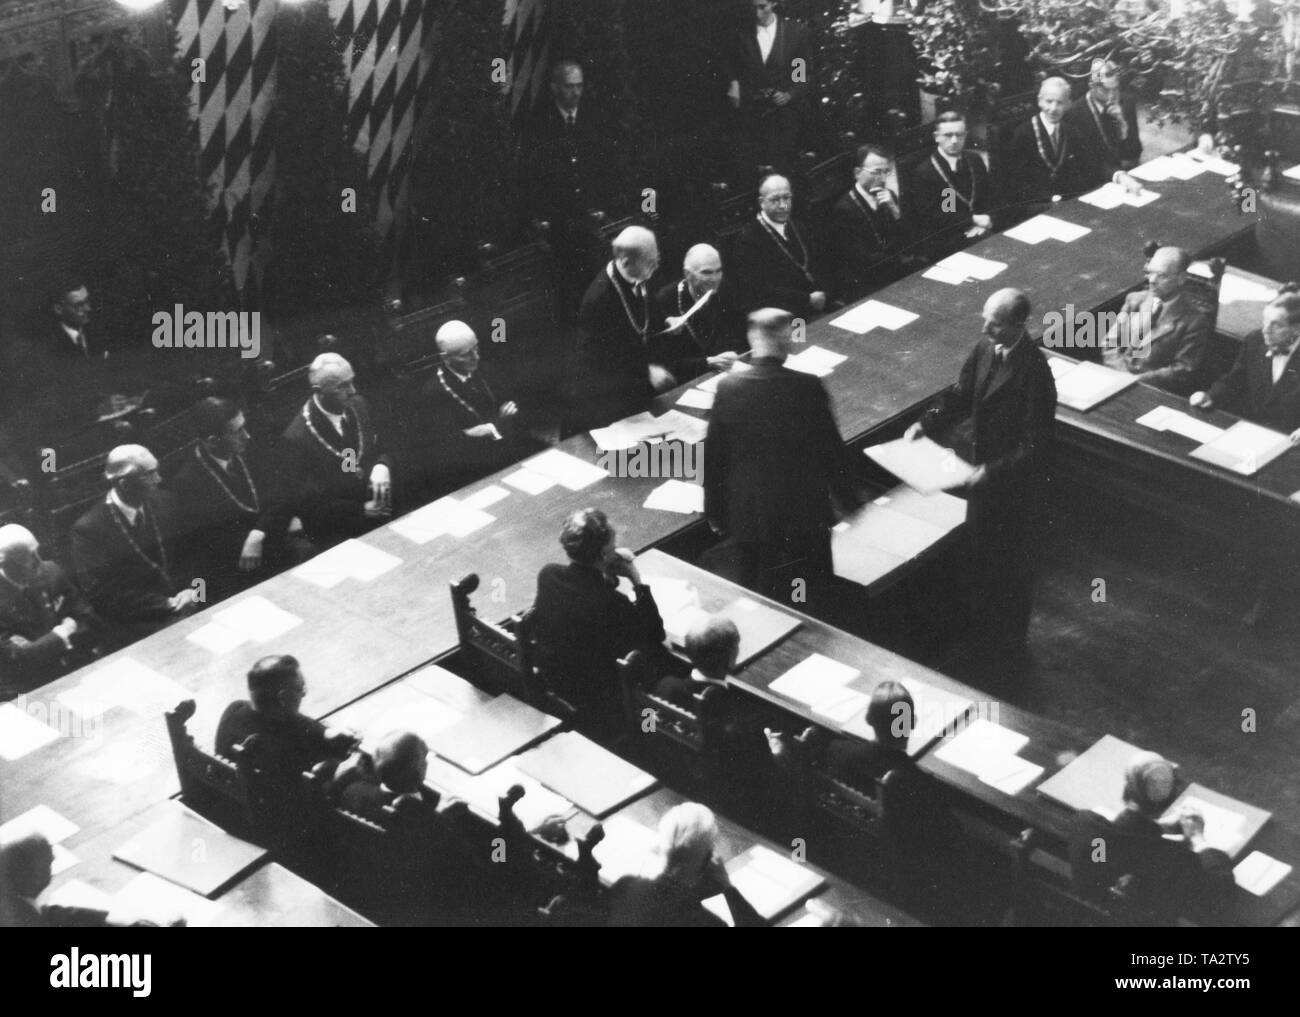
(1229, 824)
(769, 882)
(1244, 448)
(922, 464)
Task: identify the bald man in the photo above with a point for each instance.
(774, 258)
(1105, 119)
(1163, 878)
(1006, 390)
(333, 472)
(47, 627)
(123, 551)
(615, 377)
(1161, 336)
(463, 423)
(1047, 159)
(691, 344)
(773, 462)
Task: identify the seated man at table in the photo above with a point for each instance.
(397, 768)
(333, 473)
(1162, 877)
(774, 258)
(867, 229)
(289, 743)
(952, 193)
(581, 623)
(47, 627)
(1264, 382)
(1160, 335)
(708, 339)
(122, 553)
(1105, 118)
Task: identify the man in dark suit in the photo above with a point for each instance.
(1105, 120)
(46, 626)
(952, 195)
(333, 473)
(867, 229)
(772, 461)
(692, 344)
(1160, 335)
(770, 88)
(581, 624)
(774, 258)
(1264, 382)
(615, 377)
(1007, 391)
(122, 553)
(223, 507)
(1161, 878)
(462, 426)
(26, 867)
(1048, 160)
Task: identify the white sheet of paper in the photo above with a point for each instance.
(569, 471)
(1143, 197)
(626, 848)
(21, 734)
(1084, 385)
(1244, 447)
(676, 496)
(490, 495)
(1223, 827)
(216, 638)
(1106, 197)
(874, 314)
(157, 899)
(815, 680)
(943, 275)
(982, 747)
(685, 428)
(1166, 418)
(1154, 170)
(972, 265)
(76, 894)
(1259, 873)
(529, 481)
(921, 464)
(63, 860)
(696, 399)
(1011, 774)
(1065, 232)
(611, 439)
(1215, 163)
(1234, 289)
(465, 519)
(425, 716)
(1183, 168)
(1031, 231)
(127, 683)
(844, 708)
(815, 360)
(40, 819)
(258, 618)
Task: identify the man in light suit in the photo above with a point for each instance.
(774, 258)
(952, 195)
(1006, 389)
(773, 464)
(1105, 119)
(867, 228)
(770, 87)
(1264, 382)
(1160, 336)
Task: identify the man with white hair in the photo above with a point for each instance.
(1106, 119)
(47, 628)
(463, 426)
(333, 473)
(615, 376)
(122, 553)
(697, 339)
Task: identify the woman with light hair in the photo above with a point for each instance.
(682, 872)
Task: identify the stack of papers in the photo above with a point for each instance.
(529, 482)
(1215, 163)
(1110, 196)
(818, 682)
(921, 464)
(566, 470)
(1166, 418)
(1259, 873)
(631, 431)
(21, 734)
(126, 683)
(1047, 227)
(157, 900)
(1244, 448)
(1083, 385)
(697, 398)
(815, 360)
(769, 882)
(970, 266)
(873, 314)
(988, 751)
(351, 559)
(1229, 824)
(682, 427)
(677, 496)
(446, 517)
(44, 820)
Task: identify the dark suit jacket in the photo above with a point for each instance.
(1099, 133)
(32, 612)
(311, 480)
(613, 360)
(746, 64)
(124, 587)
(286, 747)
(565, 171)
(1248, 390)
(1166, 878)
(944, 230)
(865, 245)
(716, 327)
(581, 625)
(440, 455)
(54, 387)
(1173, 355)
(638, 902)
(767, 272)
(772, 456)
(1033, 182)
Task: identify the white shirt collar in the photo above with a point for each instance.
(699, 676)
(130, 511)
(636, 286)
(566, 113)
(867, 196)
(335, 418)
(778, 226)
(1050, 128)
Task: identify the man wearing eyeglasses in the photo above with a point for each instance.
(952, 194)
